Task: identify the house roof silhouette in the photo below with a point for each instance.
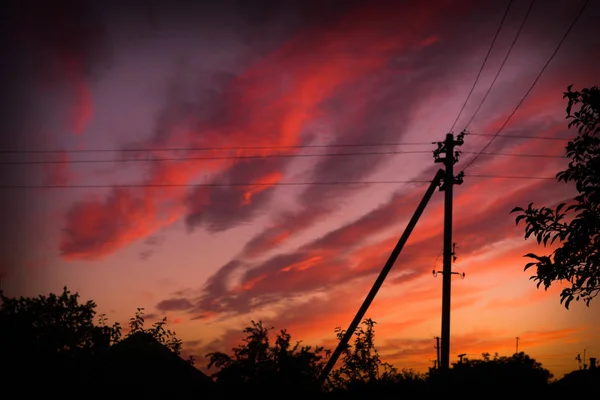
(141, 361)
(580, 381)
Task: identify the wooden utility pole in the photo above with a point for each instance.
(517, 352)
(1, 291)
(437, 349)
(450, 157)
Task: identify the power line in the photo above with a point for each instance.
(225, 148)
(521, 136)
(242, 184)
(512, 177)
(37, 162)
(218, 148)
(512, 45)
(211, 158)
(533, 84)
(483, 64)
(238, 184)
(514, 154)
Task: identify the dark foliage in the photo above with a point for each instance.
(575, 226)
(363, 371)
(580, 382)
(497, 371)
(52, 337)
(278, 368)
(259, 365)
(55, 341)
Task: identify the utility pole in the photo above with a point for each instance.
(1, 290)
(517, 351)
(437, 349)
(450, 158)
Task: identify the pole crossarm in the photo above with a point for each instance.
(446, 154)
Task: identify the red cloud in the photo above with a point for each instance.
(303, 265)
(338, 257)
(96, 228)
(264, 183)
(319, 65)
(403, 205)
(362, 125)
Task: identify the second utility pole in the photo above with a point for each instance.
(437, 349)
(450, 158)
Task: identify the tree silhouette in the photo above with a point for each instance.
(575, 226)
(257, 365)
(578, 382)
(53, 331)
(500, 373)
(158, 331)
(362, 368)
(54, 339)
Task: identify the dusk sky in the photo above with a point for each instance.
(258, 160)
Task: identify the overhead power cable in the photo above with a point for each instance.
(522, 136)
(482, 65)
(258, 156)
(185, 185)
(512, 45)
(544, 178)
(564, 37)
(211, 148)
(514, 154)
(243, 184)
(252, 157)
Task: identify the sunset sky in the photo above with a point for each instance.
(261, 213)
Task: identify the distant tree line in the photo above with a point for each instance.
(57, 342)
